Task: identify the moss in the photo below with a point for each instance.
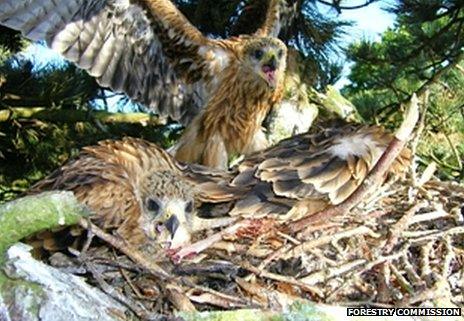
(299, 311)
(237, 315)
(31, 214)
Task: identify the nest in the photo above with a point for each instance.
(404, 246)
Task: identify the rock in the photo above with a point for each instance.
(31, 291)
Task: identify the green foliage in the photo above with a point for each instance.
(10, 43)
(424, 47)
(63, 85)
(30, 149)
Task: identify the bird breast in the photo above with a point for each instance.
(237, 108)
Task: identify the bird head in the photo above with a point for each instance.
(266, 56)
(167, 210)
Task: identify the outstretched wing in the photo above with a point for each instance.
(325, 168)
(146, 49)
(273, 21)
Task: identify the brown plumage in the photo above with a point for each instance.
(136, 189)
(305, 173)
(308, 172)
(220, 89)
(232, 119)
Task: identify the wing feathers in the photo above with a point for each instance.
(322, 167)
(115, 41)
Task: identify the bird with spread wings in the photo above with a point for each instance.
(137, 189)
(220, 89)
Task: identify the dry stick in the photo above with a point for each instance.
(175, 294)
(402, 281)
(329, 273)
(426, 270)
(435, 235)
(417, 136)
(228, 301)
(326, 239)
(400, 226)
(411, 272)
(281, 278)
(430, 216)
(384, 292)
(446, 270)
(178, 298)
(135, 306)
(375, 175)
(128, 250)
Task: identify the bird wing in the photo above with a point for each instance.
(324, 167)
(146, 49)
(275, 17)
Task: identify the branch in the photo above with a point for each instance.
(127, 249)
(31, 214)
(374, 177)
(339, 8)
(73, 116)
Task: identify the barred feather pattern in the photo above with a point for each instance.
(311, 171)
(302, 174)
(126, 47)
(110, 178)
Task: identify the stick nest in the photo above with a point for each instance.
(404, 246)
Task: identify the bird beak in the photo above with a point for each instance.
(172, 225)
(269, 69)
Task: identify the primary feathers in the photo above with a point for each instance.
(220, 89)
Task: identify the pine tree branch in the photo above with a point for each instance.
(73, 116)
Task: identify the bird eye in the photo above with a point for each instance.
(280, 53)
(153, 205)
(189, 207)
(258, 54)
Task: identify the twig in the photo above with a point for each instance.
(427, 174)
(178, 298)
(374, 177)
(135, 306)
(417, 136)
(426, 271)
(446, 269)
(303, 235)
(281, 278)
(402, 224)
(217, 298)
(275, 256)
(128, 250)
(130, 283)
(405, 285)
(411, 272)
(387, 258)
(430, 216)
(326, 239)
(326, 274)
(438, 234)
(383, 291)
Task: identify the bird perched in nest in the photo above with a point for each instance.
(139, 190)
(136, 189)
(220, 89)
(308, 172)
